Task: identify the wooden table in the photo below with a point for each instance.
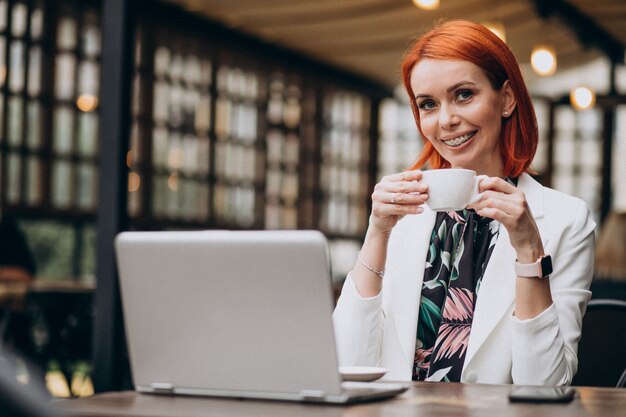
(423, 399)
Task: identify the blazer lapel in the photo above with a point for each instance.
(405, 270)
(497, 289)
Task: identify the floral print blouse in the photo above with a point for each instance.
(460, 247)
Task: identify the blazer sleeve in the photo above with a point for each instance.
(358, 324)
(544, 349)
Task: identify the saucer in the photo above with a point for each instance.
(361, 373)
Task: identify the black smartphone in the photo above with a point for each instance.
(538, 394)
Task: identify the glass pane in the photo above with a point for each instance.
(88, 77)
(36, 23)
(203, 156)
(3, 67)
(86, 186)
(88, 260)
(619, 161)
(52, 244)
(34, 71)
(15, 120)
(18, 19)
(63, 130)
(87, 133)
(66, 35)
(3, 14)
(203, 201)
(203, 115)
(136, 147)
(191, 70)
(159, 147)
(65, 76)
(91, 41)
(190, 151)
(14, 177)
(161, 102)
(16, 72)
(61, 184)
(188, 199)
(159, 188)
(134, 198)
(34, 177)
(161, 61)
(34, 125)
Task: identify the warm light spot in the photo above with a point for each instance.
(175, 158)
(543, 60)
(87, 102)
(582, 98)
(129, 158)
(172, 181)
(427, 4)
(134, 182)
(497, 28)
(56, 384)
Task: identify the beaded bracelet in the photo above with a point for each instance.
(380, 273)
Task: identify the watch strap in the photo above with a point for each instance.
(541, 268)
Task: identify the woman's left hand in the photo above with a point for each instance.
(507, 204)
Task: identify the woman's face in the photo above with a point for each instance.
(461, 113)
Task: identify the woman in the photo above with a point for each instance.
(457, 302)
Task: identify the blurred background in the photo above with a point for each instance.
(249, 114)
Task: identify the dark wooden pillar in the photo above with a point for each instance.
(110, 365)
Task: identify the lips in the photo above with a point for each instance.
(459, 140)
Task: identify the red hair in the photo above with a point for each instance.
(468, 41)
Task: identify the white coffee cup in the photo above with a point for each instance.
(451, 189)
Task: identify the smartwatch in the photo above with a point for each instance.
(541, 268)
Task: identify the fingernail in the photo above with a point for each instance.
(418, 209)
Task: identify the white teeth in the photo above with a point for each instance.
(459, 141)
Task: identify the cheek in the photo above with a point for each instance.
(428, 124)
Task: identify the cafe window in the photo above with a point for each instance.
(49, 86)
(540, 162)
(21, 138)
(578, 154)
(619, 161)
(169, 157)
(283, 144)
(399, 141)
(344, 175)
(239, 167)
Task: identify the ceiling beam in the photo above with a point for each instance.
(589, 32)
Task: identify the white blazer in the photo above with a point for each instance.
(381, 330)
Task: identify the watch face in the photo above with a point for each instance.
(546, 265)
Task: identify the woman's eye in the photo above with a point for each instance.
(426, 105)
(464, 95)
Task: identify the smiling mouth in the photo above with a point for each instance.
(458, 141)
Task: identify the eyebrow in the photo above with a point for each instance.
(450, 89)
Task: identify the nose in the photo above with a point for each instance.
(448, 118)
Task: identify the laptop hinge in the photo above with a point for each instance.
(312, 395)
(162, 387)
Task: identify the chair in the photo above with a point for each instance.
(622, 380)
(601, 351)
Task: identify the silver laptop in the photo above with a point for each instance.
(233, 314)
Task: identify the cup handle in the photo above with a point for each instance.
(475, 194)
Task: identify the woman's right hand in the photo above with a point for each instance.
(395, 196)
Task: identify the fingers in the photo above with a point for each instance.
(399, 194)
(496, 184)
(404, 176)
(402, 182)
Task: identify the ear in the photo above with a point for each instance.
(508, 99)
